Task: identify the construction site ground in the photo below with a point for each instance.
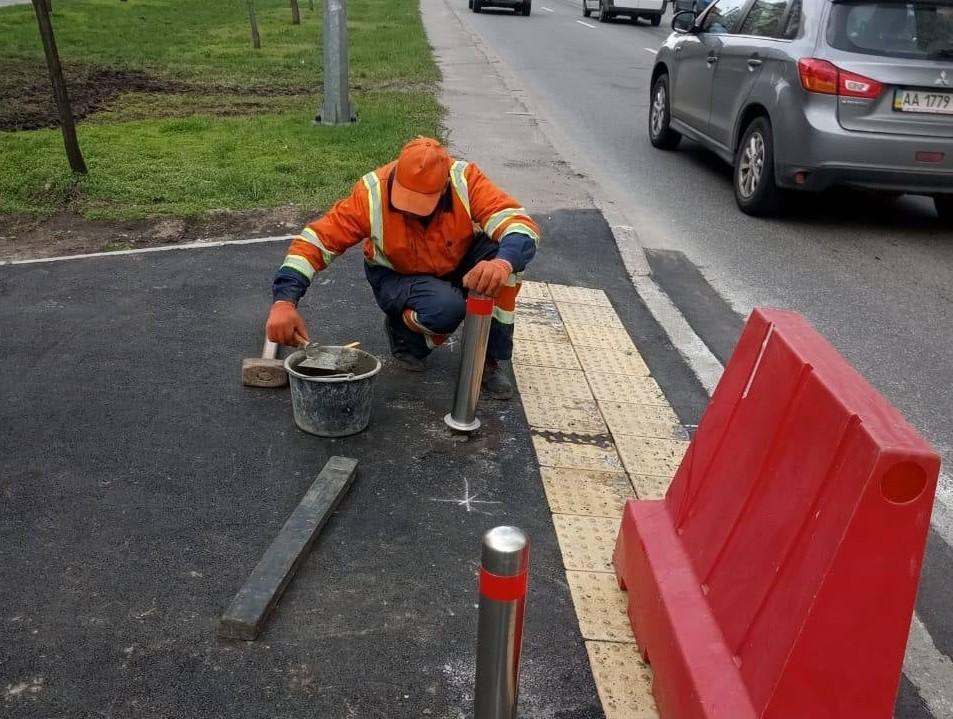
(141, 483)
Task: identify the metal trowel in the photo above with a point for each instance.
(322, 357)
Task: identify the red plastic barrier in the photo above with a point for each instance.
(778, 576)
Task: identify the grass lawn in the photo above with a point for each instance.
(185, 116)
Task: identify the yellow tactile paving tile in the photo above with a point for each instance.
(649, 487)
(579, 451)
(566, 383)
(576, 491)
(579, 295)
(623, 680)
(571, 350)
(586, 543)
(597, 337)
(545, 354)
(563, 413)
(535, 291)
(600, 606)
(627, 362)
(623, 388)
(642, 420)
(538, 331)
(589, 314)
(645, 455)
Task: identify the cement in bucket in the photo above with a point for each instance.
(333, 404)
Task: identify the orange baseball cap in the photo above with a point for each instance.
(423, 171)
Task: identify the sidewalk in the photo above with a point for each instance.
(490, 121)
(141, 482)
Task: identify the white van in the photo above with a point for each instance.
(651, 10)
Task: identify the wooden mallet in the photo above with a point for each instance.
(265, 371)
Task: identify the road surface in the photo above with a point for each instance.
(874, 275)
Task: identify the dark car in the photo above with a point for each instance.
(522, 7)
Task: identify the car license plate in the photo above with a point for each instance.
(938, 103)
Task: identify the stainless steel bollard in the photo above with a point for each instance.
(476, 334)
(503, 583)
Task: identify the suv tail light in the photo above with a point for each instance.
(827, 79)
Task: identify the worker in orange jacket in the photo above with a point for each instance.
(433, 229)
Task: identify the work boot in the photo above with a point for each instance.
(496, 385)
(404, 359)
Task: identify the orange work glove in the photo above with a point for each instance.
(488, 277)
(285, 325)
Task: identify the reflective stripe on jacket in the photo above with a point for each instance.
(402, 242)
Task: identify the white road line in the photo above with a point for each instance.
(930, 671)
(547, 9)
(648, 49)
(586, 24)
(163, 248)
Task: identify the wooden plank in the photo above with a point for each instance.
(250, 608)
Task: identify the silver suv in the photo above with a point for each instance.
(807, 94)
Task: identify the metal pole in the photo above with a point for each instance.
(337, 103)
(503, 582)
(476, 334)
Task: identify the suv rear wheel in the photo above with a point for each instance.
(603, 11)
(944, 207)
(586, 12)
(756, 190)
(526, 8)
(661, 134)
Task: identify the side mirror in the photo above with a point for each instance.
(683, 22)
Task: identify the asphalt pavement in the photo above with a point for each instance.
(140, 483)
(873, 274)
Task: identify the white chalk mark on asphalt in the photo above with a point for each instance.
(648, 49)
(468, 499)
(593, 27)
(33, 686)
(547, 9)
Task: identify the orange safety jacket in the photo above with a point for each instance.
(402, 242)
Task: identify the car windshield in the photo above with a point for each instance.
(893, 29)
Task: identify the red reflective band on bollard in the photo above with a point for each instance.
(479, 306)
(503, 589)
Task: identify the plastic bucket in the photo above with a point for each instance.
(333, 405)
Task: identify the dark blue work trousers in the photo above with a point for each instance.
(439, 303)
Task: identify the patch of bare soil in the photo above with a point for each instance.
(24, 237)
(26, 99)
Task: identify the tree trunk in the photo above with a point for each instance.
(310, 4)
(73, 153)
(295, 13)
(255, 37)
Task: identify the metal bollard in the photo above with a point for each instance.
(503, 583)
(337, 101)
(476, 333)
